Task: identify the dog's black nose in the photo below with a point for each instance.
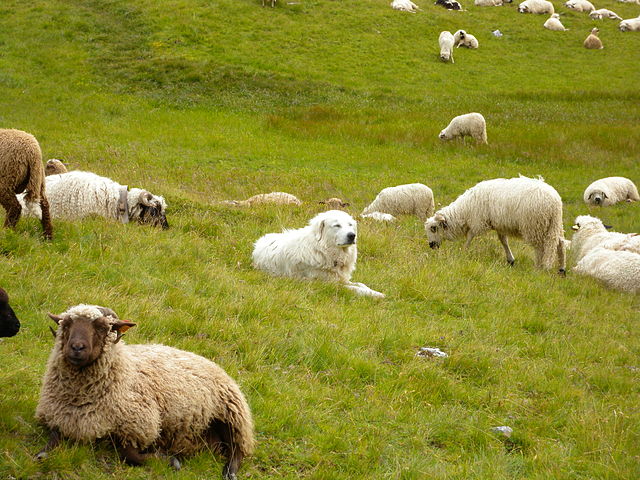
(351, 237)
(434, 244)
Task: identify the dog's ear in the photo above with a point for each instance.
(319, 230)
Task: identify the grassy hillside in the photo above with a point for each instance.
(202, 101)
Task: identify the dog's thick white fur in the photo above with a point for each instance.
(324, 250)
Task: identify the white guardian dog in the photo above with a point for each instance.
(323, 250)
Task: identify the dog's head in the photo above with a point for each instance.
(334, 228)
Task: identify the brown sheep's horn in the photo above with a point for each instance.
(55, 318)
(146, 198)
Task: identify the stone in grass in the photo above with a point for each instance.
(504, 430)
(431, 352)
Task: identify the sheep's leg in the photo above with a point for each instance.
(562, 258)
(470, 236)
(54, 440)
(132, 455)
(220, 437)
(46, 218)
(11, 204)
(505, 244)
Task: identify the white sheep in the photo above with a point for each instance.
(580, 5)
(590, 233)
(446, 42)
(604, 13)
(76, 195)
(554, 23)
(271, 198)
(464, 39)
(379, 217)
(410, 199)
(611, 190)
(488, 3)
(140, 396)
(619, 270)
(471, 124)
(521, 207)
(536, 6)
(405, 6)
(630, 25)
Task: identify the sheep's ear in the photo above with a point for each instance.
(346, 204)
(322, 202)
(608, 227)
(605, 195)
(444, 224)
(55, 318)
(590, 195)
(121, 326)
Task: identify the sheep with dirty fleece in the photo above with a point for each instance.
(470, 124)
(590, 233)
(553, 23)
(54, 167)
(9, 323)
(140, 396)
(446, 42)
(76, 195)
(538, 7)
(323, 250)
(611, 190)
(464, 39)
(603, 13)
(405, 6)
(617, 269)
(22, 171)
(271, 198)
(520, 207)
(410, 199)
(630, 25)
(593, 42)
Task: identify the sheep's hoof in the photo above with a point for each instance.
(511, 262)
(562, 272)
(175, 464)
(40, 456)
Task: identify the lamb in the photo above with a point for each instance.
(76, 195)
(522, 207)
(334, 203)
(472, 124)
(54, 167)
(580, 5)
(9, 323)
(630, 25)
(275, 198)
(604, 13)
(379, 217)
(446, 42)
(592, 42)
(464, 39)
(611, 190)
(140, 396)
(554, 23)
(405, 6)
(536, 6)
(22, 171)
(411, 199)
(590, 233)
(619, 270)
(449, 4)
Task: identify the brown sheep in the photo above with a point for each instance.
(54, 167)
(592, 42)
(22, 171)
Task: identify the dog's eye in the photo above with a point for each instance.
(433, 228)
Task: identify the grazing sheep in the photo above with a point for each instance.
(472, 124)
(22, 171)
(554, 23)
(411, 199)
(592, 42)
(536, 6)
(446, 42)
(274, 198)
(334, 203)
(9, 323)
(611, 190)
(590, 233)
(379, 217)
(464, 39)
(405, 6)
(323, 250)
(604, 13)
(630, 25)
(521, 207)
(140, 396)
(580, 5)
(54, 167)
(619, 270)
(449, 4)
(78, 194)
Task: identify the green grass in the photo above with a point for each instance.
(202, 101)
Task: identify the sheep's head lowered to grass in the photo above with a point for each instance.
(437, 229)
(9, 323)
(83, 335)
(144, 207)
